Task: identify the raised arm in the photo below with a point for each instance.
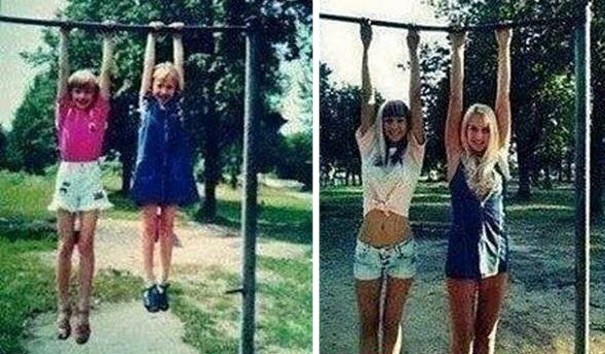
(454, 110)
(105, 76)
(503, 114)
(177, 44)
(149, 59)
(367, 92)
(415, 101)
(63, 73)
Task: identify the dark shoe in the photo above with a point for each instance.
(82, 329)
(151, 298)
(63, 326)
(163, 296)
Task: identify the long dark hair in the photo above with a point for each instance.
(393, 108)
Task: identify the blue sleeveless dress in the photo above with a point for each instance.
(163, 172)
(478, 245)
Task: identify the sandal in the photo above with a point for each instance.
(82, 329)
(63, 325)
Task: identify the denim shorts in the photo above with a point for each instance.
(397, 261)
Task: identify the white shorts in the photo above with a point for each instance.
(79, 188)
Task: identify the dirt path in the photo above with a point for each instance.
(127, 327)
(538, 316)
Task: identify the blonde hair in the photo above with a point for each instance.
(481, 175)
(83, 79)
(167, 70)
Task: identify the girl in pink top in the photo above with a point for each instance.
(81, 120)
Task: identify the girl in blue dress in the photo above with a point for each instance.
(477, 259)
(163, 176)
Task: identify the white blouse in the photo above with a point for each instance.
(388, 188)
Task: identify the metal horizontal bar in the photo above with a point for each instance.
(95, 26)
(482, 27)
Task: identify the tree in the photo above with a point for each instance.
(3, 142)
(296, 158)
(339, 117)
(30, 143)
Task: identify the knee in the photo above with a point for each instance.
(485, 337)
(66, 248)
(149, 228)
(460, 342)
(391, 325)
(86, 249)
(369, 327)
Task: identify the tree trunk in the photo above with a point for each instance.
(127, 167)
(211, 159)
(547, 179)
(524, 192)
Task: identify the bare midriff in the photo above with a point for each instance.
(380, 229)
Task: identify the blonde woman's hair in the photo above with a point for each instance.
(166, 70)
(83, 79)
(481, 174)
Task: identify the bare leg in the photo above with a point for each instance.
(368, 305)
(88, 223)
(166, 240)
(491, 295)
(462, 296)
(65, 228)
(396, 294)
(87, 257)
(148, 240)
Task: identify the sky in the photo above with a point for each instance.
(14, 39)
(341, 49)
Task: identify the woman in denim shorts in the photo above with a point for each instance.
(391, 145)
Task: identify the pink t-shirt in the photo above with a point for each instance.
(81, 132)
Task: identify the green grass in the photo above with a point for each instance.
(281, 217)
(24, 197)
(27, 289)
(285, 304)
(431, 203)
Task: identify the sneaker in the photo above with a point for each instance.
(162, 291)
(151, 299)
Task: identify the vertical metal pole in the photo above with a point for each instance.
(249, 207)
(582, 72)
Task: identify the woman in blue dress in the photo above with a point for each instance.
(477, 259)
(163, 177)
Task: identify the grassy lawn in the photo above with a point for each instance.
(211, 318)
(432, 200)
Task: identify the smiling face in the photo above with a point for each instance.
(165, 82)
(395, 121)
(164, 88)
(394, 129)
(83, 89)
(83, 96)
(478, 133)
